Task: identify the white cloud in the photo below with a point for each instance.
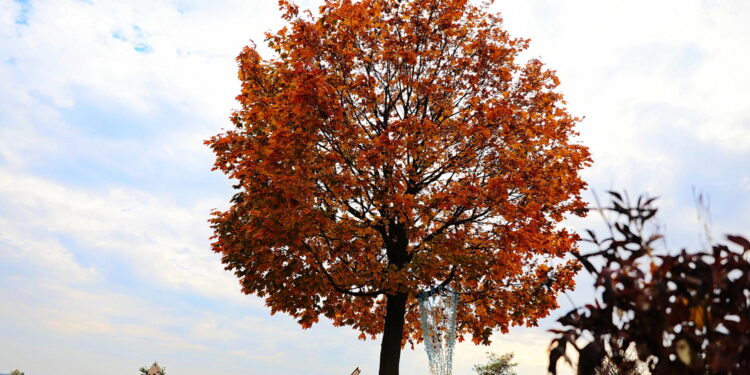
(745, 183)
(72, 51)
(618, 61)
(165, 244)
(129, 327)
(136, 52)
(46, 254)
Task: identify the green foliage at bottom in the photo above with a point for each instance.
(497, 365)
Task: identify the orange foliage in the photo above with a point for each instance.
(393, 145)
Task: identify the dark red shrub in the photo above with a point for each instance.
(683, 313)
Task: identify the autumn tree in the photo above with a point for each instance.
(392, 145)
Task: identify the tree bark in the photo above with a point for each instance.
(390, 348)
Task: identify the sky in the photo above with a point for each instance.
(105, 184)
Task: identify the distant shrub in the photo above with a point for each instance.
(687, 313)
(497, 365)
(154, 369)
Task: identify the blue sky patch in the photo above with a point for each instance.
(690, 57)
(22, 17)
(135, 37)
(119, 36)
(143, 48)
(98, 121)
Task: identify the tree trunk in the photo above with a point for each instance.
(390, 348)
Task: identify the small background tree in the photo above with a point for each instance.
(153, 369)
(497, 365)
(16, 372)
(681, 313)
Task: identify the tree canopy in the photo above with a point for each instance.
(388, 146)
